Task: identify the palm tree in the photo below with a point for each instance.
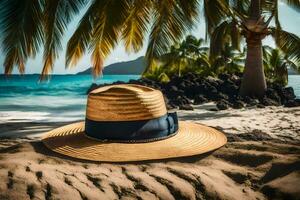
(158, 73)
(276, 65)
(28, 25)
(228, 60)
(182, 55)
(248, 19)
(191, 56)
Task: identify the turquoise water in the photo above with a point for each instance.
(294, 81)
(63, 98)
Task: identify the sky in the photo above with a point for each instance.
(290, 21)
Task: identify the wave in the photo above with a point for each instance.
(37, 116)
(7, 91)
(42, 107)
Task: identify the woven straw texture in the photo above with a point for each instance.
(191, 139)
(127, 102)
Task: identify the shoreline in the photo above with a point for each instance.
(260, 161)
(276, 121)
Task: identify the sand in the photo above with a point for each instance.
(260, 161)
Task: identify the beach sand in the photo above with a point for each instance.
(260, 161)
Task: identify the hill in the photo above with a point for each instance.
(292, 72)
(135, 67)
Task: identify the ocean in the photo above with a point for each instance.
(63, 98)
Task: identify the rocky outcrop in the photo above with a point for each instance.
(182, 92)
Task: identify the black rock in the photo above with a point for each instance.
(186, 107)
(92, 87)
(218, 96)
(209, 90)
(229, 88)
(222, 105)
(132, 81)
(247, 99)
(250, 101)
(119, 82)
(212, 81)
(182, 86)
(272, 94)
(167, 101)
(292, 103)
(224, 90)
(178, 101)
(174, 92)
(190, 92)
(171, 106)
(224, 77)
(173, 88)
(200, 99)
(190, 75)
(238, 104)
(235, 79)
(269, 102)
(286, 94)
(175, 80)
(186, 100)
(289, 93)
(260, 105)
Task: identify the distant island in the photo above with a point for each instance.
(132, 67)
(292, 72)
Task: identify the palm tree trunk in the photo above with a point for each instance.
(254, 82)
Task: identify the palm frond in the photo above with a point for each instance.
(235, 35)
(190, 10)
(215, 11)
(289, 43)
(81, 38)
(21, 29)
(219, 37)
(268, 6)
(294, 65)
(136, 25)
(240, 6)
(170, 24)
(295, 4)
(57, 15)
(267, 51)
(106, 30)
(276, 10)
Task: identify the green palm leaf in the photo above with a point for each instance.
(289, 43)
(214, 12)
(57, 15)
(21, 29)
(170, 23)
(81, 38)
(106, 30)
(218, 38)
(136, 25)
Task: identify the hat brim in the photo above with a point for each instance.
(191, 139)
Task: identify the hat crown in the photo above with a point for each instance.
(126, 102)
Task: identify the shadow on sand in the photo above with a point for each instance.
(39, 147)
(206, 115)
(12, 130)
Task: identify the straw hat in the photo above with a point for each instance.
(129, 123)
